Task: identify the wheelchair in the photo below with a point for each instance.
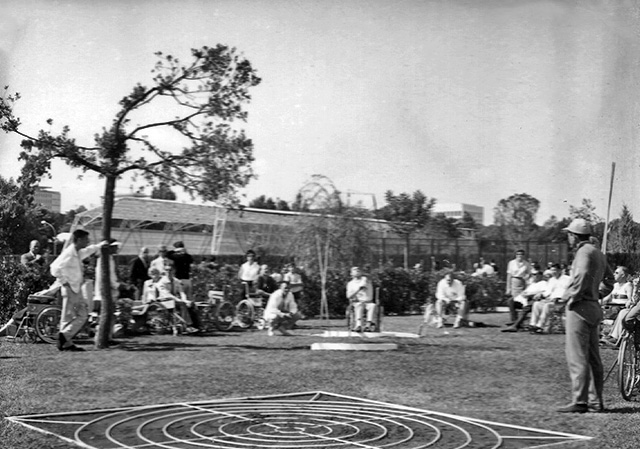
(40, 322)
(250, 310)
(629, 363)
(377, 317)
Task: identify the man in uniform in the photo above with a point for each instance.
(583, 316)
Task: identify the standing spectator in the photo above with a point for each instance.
(281, 312)
(583, 321)
(294, 278)
(33, 257)
(182, 260)
(67, 269)
(139, 272)
(249, 271)
(161, 258)
(518, 272)
(448, 290)
(360, 295)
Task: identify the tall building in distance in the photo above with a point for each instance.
(49, 199)
(457, 210)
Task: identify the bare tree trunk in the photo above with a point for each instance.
(107, 307)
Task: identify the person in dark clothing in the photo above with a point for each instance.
(182, 262)
(140, 271)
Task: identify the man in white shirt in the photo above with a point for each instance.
(451, 290)
(518, 273)
(360, 295)
(281, 312)
(161, 259)
(533, 292)
(67, 269)
(541, 310)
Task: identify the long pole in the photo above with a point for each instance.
(606, 223)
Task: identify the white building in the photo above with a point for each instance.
(49, 199)
(457, 210)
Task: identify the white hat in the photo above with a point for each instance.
(579, 226)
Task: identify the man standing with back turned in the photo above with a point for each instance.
(583, 320)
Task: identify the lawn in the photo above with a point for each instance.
(481, 373)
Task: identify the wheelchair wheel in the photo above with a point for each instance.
(628, 369)
(245, 313)
(47, 324)
(158, 319)
(29, 336)
(226, 314)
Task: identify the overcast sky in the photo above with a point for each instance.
(469, 101)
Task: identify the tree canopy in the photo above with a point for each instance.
(517, 215)
(198, 102)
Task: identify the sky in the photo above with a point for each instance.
(469, 101)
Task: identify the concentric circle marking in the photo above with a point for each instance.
(312, 420)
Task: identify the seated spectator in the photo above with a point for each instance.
(281, 312)
(360, 295)
(150, 290)
(533, 292)
(622, 297)
(451, 291)
(265, 285)
(33, 257)
(541, 310)
(483, 269)
(169, 287)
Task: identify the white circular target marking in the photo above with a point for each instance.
(301, 421)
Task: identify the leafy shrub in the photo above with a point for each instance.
(17, 282)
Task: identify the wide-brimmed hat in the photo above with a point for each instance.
(579, 226)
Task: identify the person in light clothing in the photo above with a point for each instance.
(583, 317)
(622, 296)
(533, 292)
(360, 294)
(281, 312)
(518, 273)
(67, 269)
(450, 290)
(551, 298)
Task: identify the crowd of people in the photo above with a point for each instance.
(534, 295)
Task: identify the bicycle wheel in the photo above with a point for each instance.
(627, 368)
(158, 319)
(245, 313)
(48, 324)
(225, 316)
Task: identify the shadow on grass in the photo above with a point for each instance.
(624, 410)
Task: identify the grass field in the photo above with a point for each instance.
(517, 379)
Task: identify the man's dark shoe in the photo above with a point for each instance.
(73, 348)
(357, 329)
(574, 408)
(510, 323)
(61, 341)
(509, 329)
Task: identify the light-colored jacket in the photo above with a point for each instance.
(279, 305)
(67, 267)
(360, 290)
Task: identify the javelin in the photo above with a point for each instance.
(606, 223)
